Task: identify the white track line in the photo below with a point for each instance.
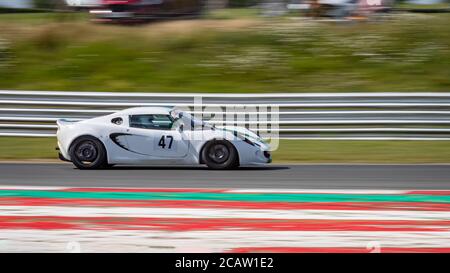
(41, 188)
(61, 211)
(260, 190)
(208, 241)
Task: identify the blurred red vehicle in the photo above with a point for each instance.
(146, 9)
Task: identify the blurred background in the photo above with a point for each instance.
(224, 46)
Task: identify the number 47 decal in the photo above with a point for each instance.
(162, 142)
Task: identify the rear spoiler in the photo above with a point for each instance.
(64, 122)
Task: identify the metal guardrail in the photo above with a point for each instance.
(371, 116)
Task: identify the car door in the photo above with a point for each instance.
(152, 135)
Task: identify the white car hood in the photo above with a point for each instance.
(247, 133)
(241, 130)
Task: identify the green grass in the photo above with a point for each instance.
(293, 151)
(34, 17)
(233, 13)
(408, 52)
(424, 6)
(323, 151)
(19, 148)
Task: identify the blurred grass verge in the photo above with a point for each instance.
(362, 151)
(227, 51)
(431, 6)
(290, 151)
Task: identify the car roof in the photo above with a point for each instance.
(146, 110)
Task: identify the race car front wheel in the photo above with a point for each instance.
(220, 155)
(87, 152)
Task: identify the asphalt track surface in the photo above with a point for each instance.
(325, 176)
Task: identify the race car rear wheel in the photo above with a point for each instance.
(87, 152)
(220, 155)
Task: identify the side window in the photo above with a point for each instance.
(158, 122)
(117, 121)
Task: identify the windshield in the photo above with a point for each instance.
(187, 119)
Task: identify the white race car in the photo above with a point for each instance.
(157, 135)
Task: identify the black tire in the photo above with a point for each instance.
(88, 152)
(220, 155)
